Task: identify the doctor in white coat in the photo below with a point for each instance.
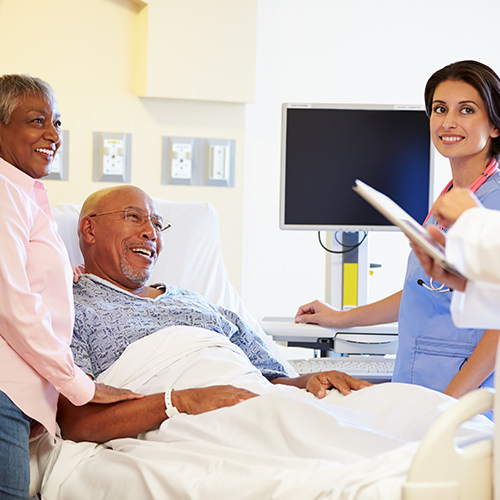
(472, 245)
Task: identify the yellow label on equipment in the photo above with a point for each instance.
(350, 290)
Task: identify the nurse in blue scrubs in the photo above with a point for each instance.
(463, 103)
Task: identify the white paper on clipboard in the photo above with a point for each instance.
(397, 216)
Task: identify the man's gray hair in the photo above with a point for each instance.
(13, 89)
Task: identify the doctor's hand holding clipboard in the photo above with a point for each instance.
(447, 209)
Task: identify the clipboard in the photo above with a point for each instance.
(397, 216)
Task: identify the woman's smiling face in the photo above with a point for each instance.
(33, 135)
(459, 123)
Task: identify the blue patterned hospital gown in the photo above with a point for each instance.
(108, 319)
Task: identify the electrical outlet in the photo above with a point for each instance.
(113, 157)
(112, 153)
(181, 160)
(179, 163)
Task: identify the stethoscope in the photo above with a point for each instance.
(488, 172)
(432, 288)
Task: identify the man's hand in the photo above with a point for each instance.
(105, 394)
(196, 401)
(319, 383)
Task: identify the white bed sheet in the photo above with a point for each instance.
(285, 444)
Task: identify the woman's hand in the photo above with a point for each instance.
(105, 394)
(319, 313)
(77, 272)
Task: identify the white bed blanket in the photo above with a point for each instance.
(285, 444)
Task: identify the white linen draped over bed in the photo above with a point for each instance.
(285, 444)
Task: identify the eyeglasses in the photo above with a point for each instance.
(138, 216)
(440, 289)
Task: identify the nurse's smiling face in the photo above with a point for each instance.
(459, 123)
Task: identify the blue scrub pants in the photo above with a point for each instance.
(14, 451)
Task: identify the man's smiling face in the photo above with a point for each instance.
(125, 247)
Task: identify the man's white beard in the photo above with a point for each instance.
(136, 276)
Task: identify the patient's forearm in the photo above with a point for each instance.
(99, 423)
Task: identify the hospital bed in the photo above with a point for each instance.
(435, 467)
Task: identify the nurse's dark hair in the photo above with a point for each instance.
(14, 88)
(477, 75)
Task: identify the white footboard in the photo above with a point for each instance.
(441, 470)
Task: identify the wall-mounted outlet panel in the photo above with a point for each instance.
(178, 160)
(198, 161)
(112, 156)
(219, 164)
(60, 164)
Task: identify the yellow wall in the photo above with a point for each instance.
(90, 52)
(199, 49)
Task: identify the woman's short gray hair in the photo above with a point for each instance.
(13, 88)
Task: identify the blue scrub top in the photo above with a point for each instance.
(431, 348)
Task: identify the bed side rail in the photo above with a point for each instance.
(443, 471)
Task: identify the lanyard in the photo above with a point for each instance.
(488, 172)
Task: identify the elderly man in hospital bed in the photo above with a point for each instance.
(265, 438)
(120, 238)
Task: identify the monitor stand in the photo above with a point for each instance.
(347, 287)
(347, 273)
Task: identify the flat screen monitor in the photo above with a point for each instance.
(325, 147)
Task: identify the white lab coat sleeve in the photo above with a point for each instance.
(478, 306)
(473, 247)
(473, 244)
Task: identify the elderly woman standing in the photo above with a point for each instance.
(36, 312)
